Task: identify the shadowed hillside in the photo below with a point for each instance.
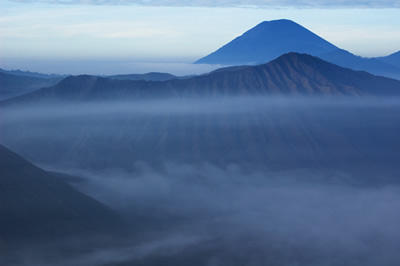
(15, 85)
(35, 205)
(271, 39)
(267, 41)
(290, 74)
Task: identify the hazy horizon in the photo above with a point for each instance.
(206, 212)
(110, 37)
(294, 162)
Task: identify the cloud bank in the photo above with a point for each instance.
(233, 3)
(206, 215)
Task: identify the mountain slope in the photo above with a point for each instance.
(14, 85)
(154, 76)
(393, 59)
(267, 41)
(270, 39)
(31, 74)
(97, 123)
(36, 205)
(290, 74)
(371, 65)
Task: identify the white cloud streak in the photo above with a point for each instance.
(234, 3)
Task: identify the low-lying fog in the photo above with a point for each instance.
(212, 209)
(205, 215)
(106, 67)
(273, 132)
(200, 106)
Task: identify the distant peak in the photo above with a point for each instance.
(267, 41)
(278, 22)
(82, 79)
(294, 58)
(294, 55)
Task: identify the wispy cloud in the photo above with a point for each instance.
(233, 3)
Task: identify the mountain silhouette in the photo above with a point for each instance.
(155, 76)
(290, 74)
(13, 85)
(267, 41)
(270, 39)
(393, 59)
(373, 65)
(31, 74)
(113, 123)
(36, 204)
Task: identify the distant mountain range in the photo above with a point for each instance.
(12, 85)
(375, 66)
(290, 74)
(31, 74)
(151, 76)
(187, 161)
(270, 39)
(155, 76)
(267, 41)
(121, 136)
(35, 204)
(393, 59)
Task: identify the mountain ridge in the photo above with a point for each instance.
(31, 74)
(271, 39)
(266, 41)
(14, 85)
(151, 76)
(35, 203)
(290, 74)
(393, 59)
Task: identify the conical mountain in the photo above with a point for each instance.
(271, 39)
(267, 41)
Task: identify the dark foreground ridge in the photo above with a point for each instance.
(34, 204)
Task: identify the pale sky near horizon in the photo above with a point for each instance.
(122, 36)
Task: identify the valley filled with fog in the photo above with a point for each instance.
(199, 133)
(224, 180)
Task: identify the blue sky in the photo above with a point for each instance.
(122, 36)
